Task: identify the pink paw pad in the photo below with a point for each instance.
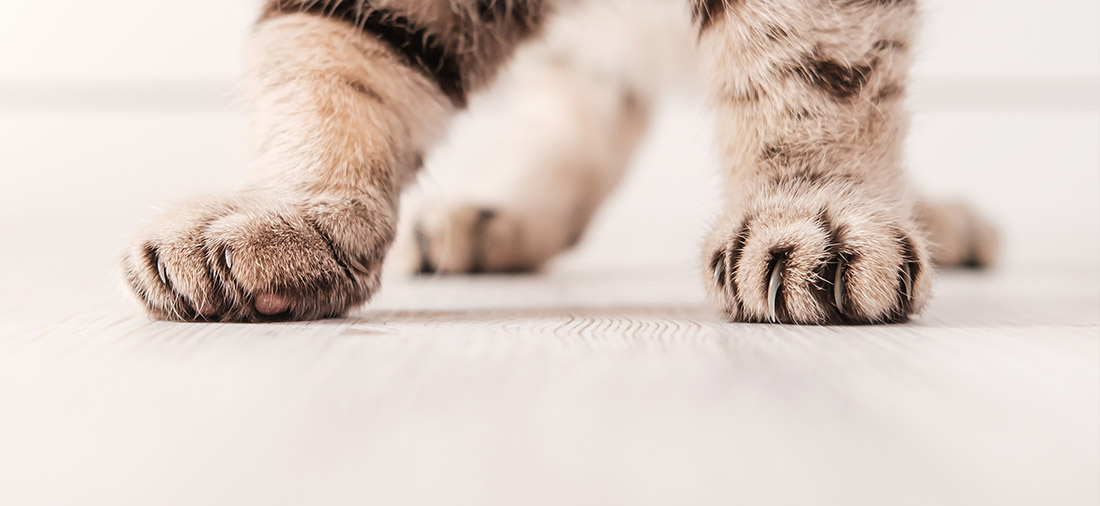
(271, 304)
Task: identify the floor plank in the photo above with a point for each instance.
(564, 388)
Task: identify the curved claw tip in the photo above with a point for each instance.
(775, 281)
(719, 275)
(839, 287)
(160, 272)
(357, 264)
(907, 280)
(228, 261)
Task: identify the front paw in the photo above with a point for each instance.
(261, 257)
(841, 260)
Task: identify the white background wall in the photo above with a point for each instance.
(109, 108)
(199, 39)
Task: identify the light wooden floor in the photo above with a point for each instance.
(573, 387)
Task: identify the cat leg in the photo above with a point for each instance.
(345, 95)
(553, 158)
(550, 140)
(539, 161)
(820, 226)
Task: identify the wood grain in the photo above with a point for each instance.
(566, 388)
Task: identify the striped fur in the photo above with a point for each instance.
(347, 97)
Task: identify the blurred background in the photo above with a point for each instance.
(109, 109)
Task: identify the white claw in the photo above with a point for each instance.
(838, 286)
(228, 262)
(718, 274)
(907, 280)
(774, 283)
(160, 271)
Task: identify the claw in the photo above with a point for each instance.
(907, 281)
(838, 286)
(228, 261)
(160, 271)
(425, 247)
(774, 283)
(356, 263)
(720, 274)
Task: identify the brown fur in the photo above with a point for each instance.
(348, 95)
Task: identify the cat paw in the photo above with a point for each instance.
(472, 239)
(828, 265)
(959, 235)
(260, 257)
